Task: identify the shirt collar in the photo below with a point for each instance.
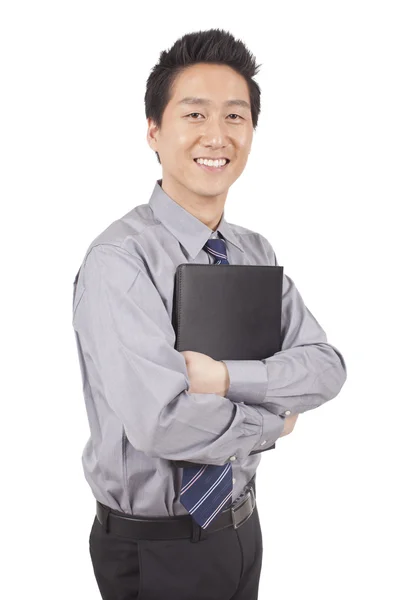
(188, 229)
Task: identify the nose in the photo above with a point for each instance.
(214, 134)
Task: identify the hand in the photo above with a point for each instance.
(289, 425)
(206, 375)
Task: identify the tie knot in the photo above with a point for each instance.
(217, 248)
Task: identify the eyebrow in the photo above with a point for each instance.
(206, 102)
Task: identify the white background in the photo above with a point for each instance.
(322, 184)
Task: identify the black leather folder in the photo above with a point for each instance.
(229, 312)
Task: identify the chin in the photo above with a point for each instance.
(207, 189)
(210, 191)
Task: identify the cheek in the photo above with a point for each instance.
(177, 147)
(243, 140)
(182, 139)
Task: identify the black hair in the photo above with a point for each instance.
(211, 46)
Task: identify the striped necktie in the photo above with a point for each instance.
(207, 489)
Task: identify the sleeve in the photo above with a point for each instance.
(130, 338)
(305, 373)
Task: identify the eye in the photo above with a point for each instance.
(193, 113)
(231, 115)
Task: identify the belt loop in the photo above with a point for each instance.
(195, 531)
(106, 524)
(198, 533)
(203, 534)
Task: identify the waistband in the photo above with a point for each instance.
(183, 526)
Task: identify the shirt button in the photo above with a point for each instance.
(233, 457)
(264, 442)
(233, 480)
(287, 412)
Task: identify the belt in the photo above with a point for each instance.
(175, 527)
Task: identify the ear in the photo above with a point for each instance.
(152, 134)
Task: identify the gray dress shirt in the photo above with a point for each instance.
(135, 384)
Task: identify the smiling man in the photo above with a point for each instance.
(204, 138)
(176, 437)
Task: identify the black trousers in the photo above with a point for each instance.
(224, 566)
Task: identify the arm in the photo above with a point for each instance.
(124, 323)
(209, 376)
(307, 372)
(290, 421)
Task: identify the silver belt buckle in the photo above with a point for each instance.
(237, 511)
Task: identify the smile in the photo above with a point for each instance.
(212, 169)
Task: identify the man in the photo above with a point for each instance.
(164, 422)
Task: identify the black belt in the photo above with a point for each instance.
(176, 527)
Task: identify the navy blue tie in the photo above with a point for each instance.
(207, 489)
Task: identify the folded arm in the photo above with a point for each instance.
(123, 325)
(307, 372)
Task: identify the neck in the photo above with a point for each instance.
(208, 209)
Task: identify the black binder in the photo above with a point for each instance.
(230, 312)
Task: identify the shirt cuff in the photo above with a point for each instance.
(262, 450)
(248, 381)
(272, 427)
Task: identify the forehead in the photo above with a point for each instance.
(217, 83)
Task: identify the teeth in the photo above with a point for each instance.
(211, 163)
